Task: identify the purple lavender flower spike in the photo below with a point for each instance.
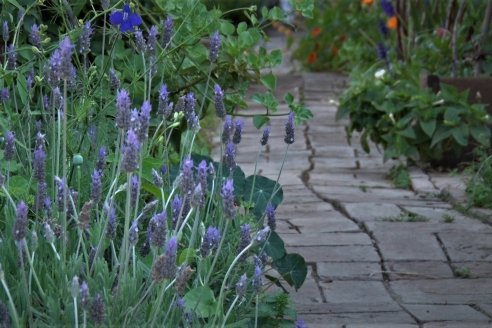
(219, 101)
(168, 30)
(382, 52)
(144, 119)
(265, 136)
(135, 120)
(96, 186)
(210, 241)
(20, 225)
(256, 281)
(41, 194)
(140, 41)
(5, 31)
(125, 19)
(66, 70)
(113, 79)
(39, 164)
(203, 175)
(157, 229)
(230, 155)
(176, 209)
(46, 102)
(152, 40)
(245, 237)
(112, 222)
(289, 129)
(227, 130)
(97, 310)
(270, 214)
(123, 109)
(165, 266)
(262, 235)
(4, 94)
(9, 150)
(84, 296)
(130, 152)
(388, 8)
(135, 189)
(383, 29)
(227, 194)
(35, 36)
(198, 198)
(11, 57)
(180, 106)
(164, 108)
(85, 39)
(189, 110)
(57, 98)
(187, 180)
(241, 285)
(236, 138)
(101, 160)
(214, 47)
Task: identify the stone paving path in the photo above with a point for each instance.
(370, 263)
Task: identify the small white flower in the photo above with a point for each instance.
(379, 74)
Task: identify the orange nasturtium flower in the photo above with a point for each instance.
(315, 31)
(312, 57)
(368, 2)
(392, 23)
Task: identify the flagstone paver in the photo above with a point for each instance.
(341, 212)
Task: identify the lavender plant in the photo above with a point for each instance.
(107, 219)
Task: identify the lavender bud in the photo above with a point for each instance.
(270, 213)
(145, 247)
(75, 287)
(4, 316)
(165, 265)
(187, 181)
(84, 296)
(111, 226)
(29, 81)
(5, 31)
(4, 94)
(300, 324)
(236, 138)
(180, 106)
(189, 110)
(164, 108)
(182, 276)
(198, 199)
(157, 230)
(48, 233)
(245, 237)
(20, 225)
(35, 36)
(210, 241)
(92, 134)
(9, 150)
(289, 129)
(157, 179)
(144, 119)
(97, 310)
(168, 30)
(11, 57)
(123, 107)
(61, 62)
(60, 192)
(85, 215)
(241, 285)
(227, 130)
(96, 186)
(383, 29)
(57, 98)
(227, 194)
(211, 169)
(256, 282)
(152, 39)
(105, 4)
(382, 52)
(135, 189)
(203, 175)
(388, 8)
(265, 136)
(130, 152)
(214, 47)
(85, 39)
(41, 194)
(133, 236)
(101, 160)
(113, 79)
(140, 41)
(176, 209)
(46, 102)
(219, 101)
(149, 207)
(230, 155)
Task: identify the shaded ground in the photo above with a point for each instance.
(378, 256)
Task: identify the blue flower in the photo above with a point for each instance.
(125, 18)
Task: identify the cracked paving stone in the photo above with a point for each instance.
(328, 223)
(467, 245)
(363, 212)
(328, 271)
(327, 239)
(359, 292)
(336, 253)
(407, 270)
(429, 312)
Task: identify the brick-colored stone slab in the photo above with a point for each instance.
(418, 270)
(445, 291)
(336, 253)
(328, 271)
(429, 312)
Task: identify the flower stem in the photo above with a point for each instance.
(229, 311)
